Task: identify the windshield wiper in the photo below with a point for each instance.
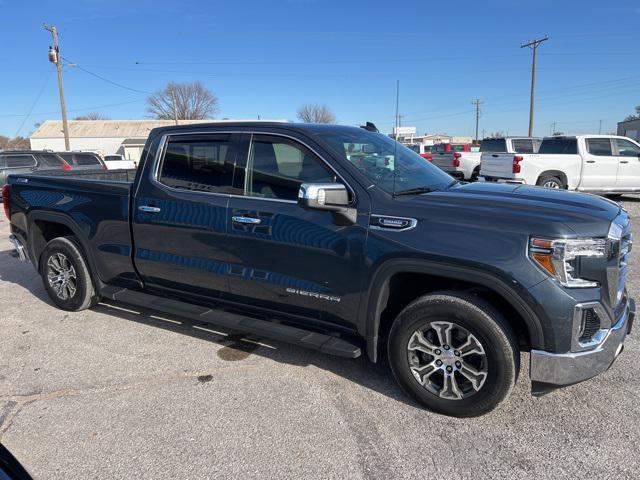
(414, 191)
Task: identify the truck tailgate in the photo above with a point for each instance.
(443, 160)
(497, 165)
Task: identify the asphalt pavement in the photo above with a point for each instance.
(119, 393)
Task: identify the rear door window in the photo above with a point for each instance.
(522, 145)
(17, 161)
(559, 146)
(51, 160)
(599, 146)
(201, 163)
(85, 159)
(493, 145)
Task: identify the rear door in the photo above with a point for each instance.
(600, 166)
(628, 154)
(301, 262)
(179, 215)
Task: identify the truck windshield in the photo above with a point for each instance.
(559, 145)
(381, 159)
(494, 145)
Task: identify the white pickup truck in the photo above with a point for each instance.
(463, 161)
(606, 164)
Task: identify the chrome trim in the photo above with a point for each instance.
(599, 336)
(246, 220)
(148, 209)
(573, 367)
(20, 250)
(164, 139)
(412, 223)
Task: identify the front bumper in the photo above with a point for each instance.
(559, 369)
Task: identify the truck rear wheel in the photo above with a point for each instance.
(454, 354)
(66, 275)
(551, 182)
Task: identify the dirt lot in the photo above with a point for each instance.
(112, 393)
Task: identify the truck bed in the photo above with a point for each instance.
(92, 205)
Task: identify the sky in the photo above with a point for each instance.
(267, 58)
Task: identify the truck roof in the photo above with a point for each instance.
(309, 127)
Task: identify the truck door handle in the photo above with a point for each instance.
(624, 161)
(148, 209)
(246, 220)
(591, 161)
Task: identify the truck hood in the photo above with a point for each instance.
(535, 210)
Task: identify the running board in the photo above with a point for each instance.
(262, 328)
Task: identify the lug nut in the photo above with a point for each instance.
(449, 369)
(456, 353)
(439, 362)
(437, 352)
(458, 364)
(446, 347)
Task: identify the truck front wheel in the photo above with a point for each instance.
(66, 275)
(454, 354)
(551, 182)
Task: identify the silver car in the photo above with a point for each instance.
(27, 161)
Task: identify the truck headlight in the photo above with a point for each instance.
(560, 258)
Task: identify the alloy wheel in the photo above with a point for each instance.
(447, 360)
(61, 276)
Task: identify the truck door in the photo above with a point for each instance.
(628, 155)
(179, 215)
(283, 257)
(600, 166)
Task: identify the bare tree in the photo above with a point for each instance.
(193, 101)
(634, 117)
(92, 116)
(497, 135)
(16, 143)
(315, 113)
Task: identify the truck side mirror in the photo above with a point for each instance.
(331, 197)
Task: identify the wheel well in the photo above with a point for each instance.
(554, 173)
(43, 232)
(403, 288)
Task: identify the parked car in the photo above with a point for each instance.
(24, 161)
(463, 161)
(118, 162)
(605, 164)
(83, 160)
(425, 151)
(280, 230)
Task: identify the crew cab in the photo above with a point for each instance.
(606, 164)
(341, 240)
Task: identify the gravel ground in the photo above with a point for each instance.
(115, 393)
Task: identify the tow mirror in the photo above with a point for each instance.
(331, 197)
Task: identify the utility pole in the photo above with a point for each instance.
(175, 110)
(552, 128)
(533, 45)
(477, 103)
(599, 127)
(54, 57)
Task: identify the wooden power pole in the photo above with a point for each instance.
(54, 57)
(533, 45)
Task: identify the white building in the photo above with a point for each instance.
(125, 137)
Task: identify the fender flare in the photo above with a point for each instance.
(369, 318)
(62, 219)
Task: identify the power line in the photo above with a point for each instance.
(35, 101)
(80, 109)
(104, 79)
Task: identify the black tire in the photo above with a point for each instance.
(548, 180)
(84, 295)
(501, 353)
(475, 175)
(614, 196)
